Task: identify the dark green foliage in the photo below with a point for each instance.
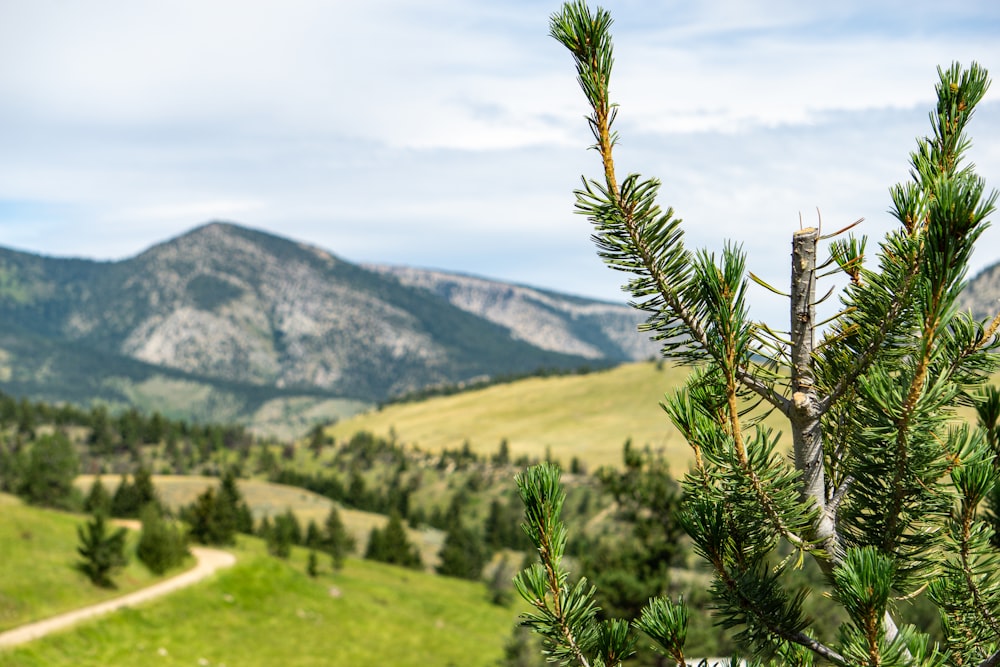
(162, 545)
(48, 478)
(284, 533)
(101, 552)
(463, 553)
(627, 572)
(131, 497)
(883, 492)
(312, 565)
(13, 464)
(210, 292)
(98, 499)
(313, 538)
(988, 410)
(234, 513)
(391, 545)
(502, 528)
(209, 520)
(336, 540)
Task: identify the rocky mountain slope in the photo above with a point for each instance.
(982, 294)
(263, 315)
(551, 321)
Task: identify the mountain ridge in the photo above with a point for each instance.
(227, 304)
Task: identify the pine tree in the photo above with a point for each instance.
(125, 502)
(282, 535)
(98, 499)
(391, 545)
(161, 543)
(101, 552)
(52, 466)
(209, 521)
(883, 490)
(312, 565)
(336, 540)
(463, 553)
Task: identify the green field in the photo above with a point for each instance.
(268, 612)
(584, 416)
(37, 575)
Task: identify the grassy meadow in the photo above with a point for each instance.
(585, 416)
(37, 577)
(267, 612)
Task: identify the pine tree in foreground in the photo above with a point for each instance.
(884, 490)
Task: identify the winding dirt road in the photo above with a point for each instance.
(209, 560)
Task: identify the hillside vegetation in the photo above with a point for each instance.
(268, 612)
(584, 416)
(38, 553)
(267, 499)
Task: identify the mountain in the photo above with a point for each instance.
(548, 320)
(982, 294)
(225, 319)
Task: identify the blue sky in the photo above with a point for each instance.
(450, 134)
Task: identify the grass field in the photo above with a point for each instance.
(584, 416)
(268, 612)
(37, 557)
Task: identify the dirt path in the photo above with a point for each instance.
(209, 560)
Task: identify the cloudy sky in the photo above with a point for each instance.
(450, 133)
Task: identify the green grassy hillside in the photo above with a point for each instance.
(585, 416)
(37, 576)
(268, 612)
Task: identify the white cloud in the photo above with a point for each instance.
(450, 133)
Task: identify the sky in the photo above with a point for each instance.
(450, 134)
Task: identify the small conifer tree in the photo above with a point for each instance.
(463, 553)
(883, 490)
(391, 545)
(98, 499)
(101, 552)
(162, 544)
(336, 540)
(51, 468)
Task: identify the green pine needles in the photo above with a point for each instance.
(888, 496)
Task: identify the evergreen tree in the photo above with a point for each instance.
(883, 491)
(161, 543)
(313, 538)
(336, 540)
(629, 571)
(312, 565)
(988, 410)
(98, 500)
(13, 464)
(208, 520)
(125, 502)
(463, 554)
(391, 545)
(282, 535)
(101, 552)
(52, 467)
